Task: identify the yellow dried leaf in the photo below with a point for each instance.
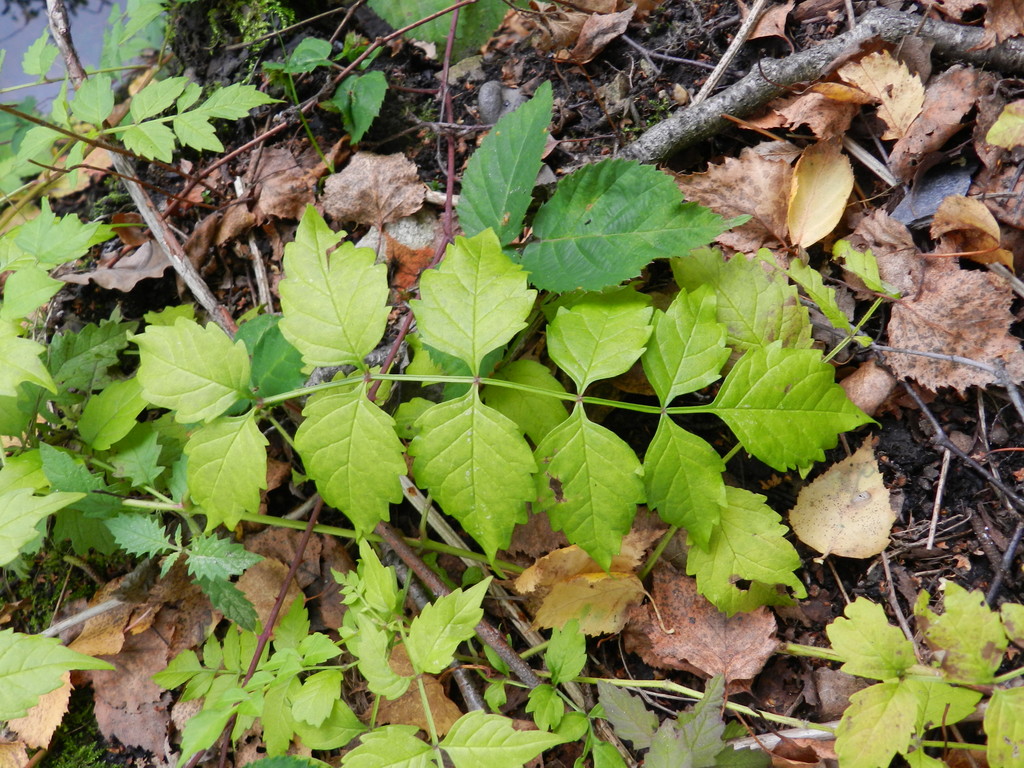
(821, 185)
(846, 511)
(964, 225)
(36, 728)
(900, 95)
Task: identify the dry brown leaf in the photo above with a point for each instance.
(825, 116)
(821, 185)
(407, 709)
(751, 185)
(701, 639)
(409, 246)
(261, 583)
(1002, 189)
(374, 189)
(957, 312)
(597, 31)
(535, 537)
(900, 95)
(1003, 19)
(282, 544)
(283, 187)
(144, 262)
(956, 9)
(129, 228)
(949, 97)
(37, 727)
(797, 753)
(13, 755)
(846, 510)
(773, 21)
(869, 386)
(965, 226)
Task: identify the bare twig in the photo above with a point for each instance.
(730, 53)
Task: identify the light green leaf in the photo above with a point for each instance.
(111, 414)
(310, 53)
(142, 535)
(1008, 129)
(21, 363)
(497, 186)
(227, 468)
(878, 723)
(968, 634)
(1011, 614)
(391, 746)
(54, 241)
(218, 559)
(156, 97)
(630, 718)
(276, 364)
(607, 221)
(785, 407)
(864, 265)
(601, 335)
(30, 666)
(940, 704)
(369, 644)
(25, 291)
(477, 466)
(196, 372)
(152, 140)
(757, 308)
(477, 740)
(350, 449)
(607, 755)
(40, 56)
(748, 544)
(314, 702)
(683, 477)
(476, 301)
(536, 415)
(203, 728)
(335, 307)
(869, 645)
(545, 706)
(94, 100)
(1004, 726)
(442, 626)
(234, 101)
(340, 727)
(822, 295)
(566, 654)
(589, 483)
(194, 130)
(179, 671)
(687, 346)
(359, 99)
(21, 512)
(24, 470)
(138, 456)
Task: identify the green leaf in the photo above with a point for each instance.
(54, 241)
(234, 101)
(683, 478)
(785, 407)
(869, 645)
(227, 468)
(606, 755)
(179, 671)
(700, 732)
(1011, 614)
(566, 654)
(359, 99)
(968, 635)
(607, 221)
(589, 484)
(369, 644)
(334, 307)
(142, 535)
(940, 704)
(203, 728)
(476, 301)
(878, 723)
(822, 295)
(313, 704)
(40, 56)
(25, 291)
(391, 746)
(442, 626)
(630, 718)
(152, 140)
(497, 186)
(83, 360)
(748, 544)
(214, 557)
(310, 53)
(1008, 129)
(756, 307)
(21, 513)
(477, 466)
(864, 265)
(340, 727)
(138, 456)
(31, 665)
(601, 335)
(546, 707)
(68, 474)
(477, 22)
(156, 97)
(687, 346)
(477, 740)
(111, 414)
(231, 601)
(1004, 726)
(21, 363)
(196, 372)
(276, 364)
(194, 130)
(350, 449)
(94, 100)
(536, 415)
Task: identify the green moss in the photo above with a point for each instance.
(78, 742)
(252, 18)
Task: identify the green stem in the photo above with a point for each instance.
(656, 554)
(810, 651)
(163, 506)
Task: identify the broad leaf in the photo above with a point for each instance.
(497, 186)
(476, 301)
(350, 449)
(748, 544)
(390, 746)
(218, 559)
(968, 634)
(335, 306)
(607, 221)
(477, 740)
(83, 360)
(442, 625)
(601, 335)
(276, 364)
(234, 101)
(683, 476)
(785, 406)
(231, 601)
(589, 483)
(822, 295)
(1004, 726)
(566, 654)
(25, 291)
(194, 130)
(20, 514)
(196, 372)
(56, 240)
(477, 466)
(156, 97)
(358, 99)
(313, 704)
(31, 665)
(869, 644)
(141, 535)
(477, 22)
(227, 469)
(629, 716)
(152, 140)
(111, 414)
(369, 644)
(535, 414)
(878, 723)
(21, 363)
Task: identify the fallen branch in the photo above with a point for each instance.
(773, 77)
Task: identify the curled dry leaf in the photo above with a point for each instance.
(963, 225)
(846, 511)
(869, 386)
(1003, 19)
(825, 115)
(821, 185)
(700, 638)
(144, 262)
(407, 709)
(597, 31)
(284, 187)
(900, 95)
(374, 189)
(772, 22)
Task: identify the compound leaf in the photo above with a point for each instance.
(869, 644)
(477, 740)
(390, 746)
(878, 723)
(152, 140)
(535, 414)
(196, 372)
(156, 97)
(442, 626)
